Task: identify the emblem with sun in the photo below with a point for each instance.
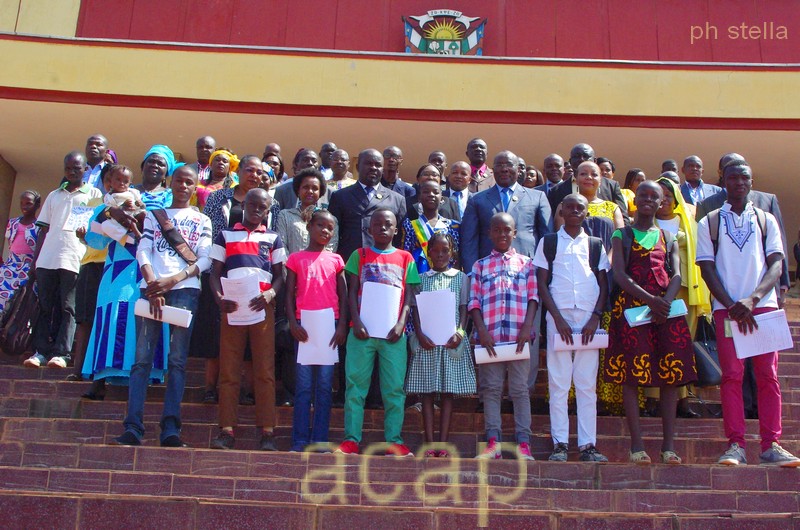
(443, 30)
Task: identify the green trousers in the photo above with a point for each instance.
(359, 363)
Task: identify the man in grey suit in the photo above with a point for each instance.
(609, 189)
(284, 193)
(529, 208)
(693, 189)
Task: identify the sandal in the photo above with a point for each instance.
(640, 458)
(670, 457)
(430, 453)
(443, 454)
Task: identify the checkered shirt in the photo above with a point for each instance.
(501, 287)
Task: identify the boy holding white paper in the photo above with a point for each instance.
(502, 303)
(316, 290)
(173, 252)
(574, 291)
(739, 251)
(378, 280)
(253, 253)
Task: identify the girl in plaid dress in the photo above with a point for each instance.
(446, 370)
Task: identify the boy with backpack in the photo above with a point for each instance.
(571, 274)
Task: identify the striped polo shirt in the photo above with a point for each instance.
(246, 252)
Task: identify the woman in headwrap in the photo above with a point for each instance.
(222, 174)
(674, 217)
(159, 162)
(112, 343)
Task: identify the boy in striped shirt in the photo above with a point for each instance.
(248, 249)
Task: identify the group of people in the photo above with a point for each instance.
(508, 242)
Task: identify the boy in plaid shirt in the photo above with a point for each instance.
(503, 302)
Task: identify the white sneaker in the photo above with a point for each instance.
(35, 361)
(57, 362)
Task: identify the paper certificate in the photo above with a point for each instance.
(79, 217)
(320, 326)
(437, 315)
(380, 307)
(772, 335)
(242, 290)
(598, 342)
(170, 315)
(506, 351)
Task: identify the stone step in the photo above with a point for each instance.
(63, 510)
(693, 449)
(460, 422)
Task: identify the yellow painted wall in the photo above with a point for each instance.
(57, 18)
(8, 177)
(402, 84)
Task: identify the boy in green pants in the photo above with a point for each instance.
(382, 264)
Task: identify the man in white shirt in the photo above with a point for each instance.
(739, 251)
(167, 280)
(57, 261)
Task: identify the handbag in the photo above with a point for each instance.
(18, 320)
(706, 357)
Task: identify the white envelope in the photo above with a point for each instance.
(506, 351)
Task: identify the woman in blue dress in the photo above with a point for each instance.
(112, 343)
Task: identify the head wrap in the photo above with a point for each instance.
(699, 295)
(232, 158)
(166, 153)
(112, 154)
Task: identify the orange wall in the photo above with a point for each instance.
(650, 30)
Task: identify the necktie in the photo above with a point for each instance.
(370, 192)
(504, 193)
(457, 197)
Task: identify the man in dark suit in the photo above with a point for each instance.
(392, 160)
(553, 173)
(693, 189)
(284, 193)
(458, 185)
(448, 208)
(609, 189)
(353, 206)
(529, 208)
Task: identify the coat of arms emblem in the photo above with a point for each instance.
(444, 32)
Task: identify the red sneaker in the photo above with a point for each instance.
(493, 450)
(348, 447)
(399, 450)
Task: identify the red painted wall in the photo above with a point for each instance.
(650, 30)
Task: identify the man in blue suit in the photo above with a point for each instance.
(529, 208)
(694, 190)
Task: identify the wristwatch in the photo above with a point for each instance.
(598, 314)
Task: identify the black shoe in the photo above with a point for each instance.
(267, 442)
(210, 397)
(74, 377)
(173, 441)
(127, 438)
(246, 399)
(94, 397)
(224, 440)
(687, 412)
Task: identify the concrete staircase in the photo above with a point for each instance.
(58, 471)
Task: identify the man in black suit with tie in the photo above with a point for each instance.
(458, 185)
(353, 206)
(553, 173)
(609, 189)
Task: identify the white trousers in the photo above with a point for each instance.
(566, 367)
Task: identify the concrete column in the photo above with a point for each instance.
(8, 177)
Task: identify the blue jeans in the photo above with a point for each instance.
(148, 337)
(321, 390)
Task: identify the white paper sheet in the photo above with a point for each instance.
(598, 342)
(437, 315)
(242, 290)
(380, 307)
(320, 326)
(506, 351)
(78, 217)
(171, 315)
(772, 335)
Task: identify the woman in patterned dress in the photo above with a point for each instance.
(445, 370)
(21, 235)
(657, 354)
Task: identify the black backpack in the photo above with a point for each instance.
(550, 242)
